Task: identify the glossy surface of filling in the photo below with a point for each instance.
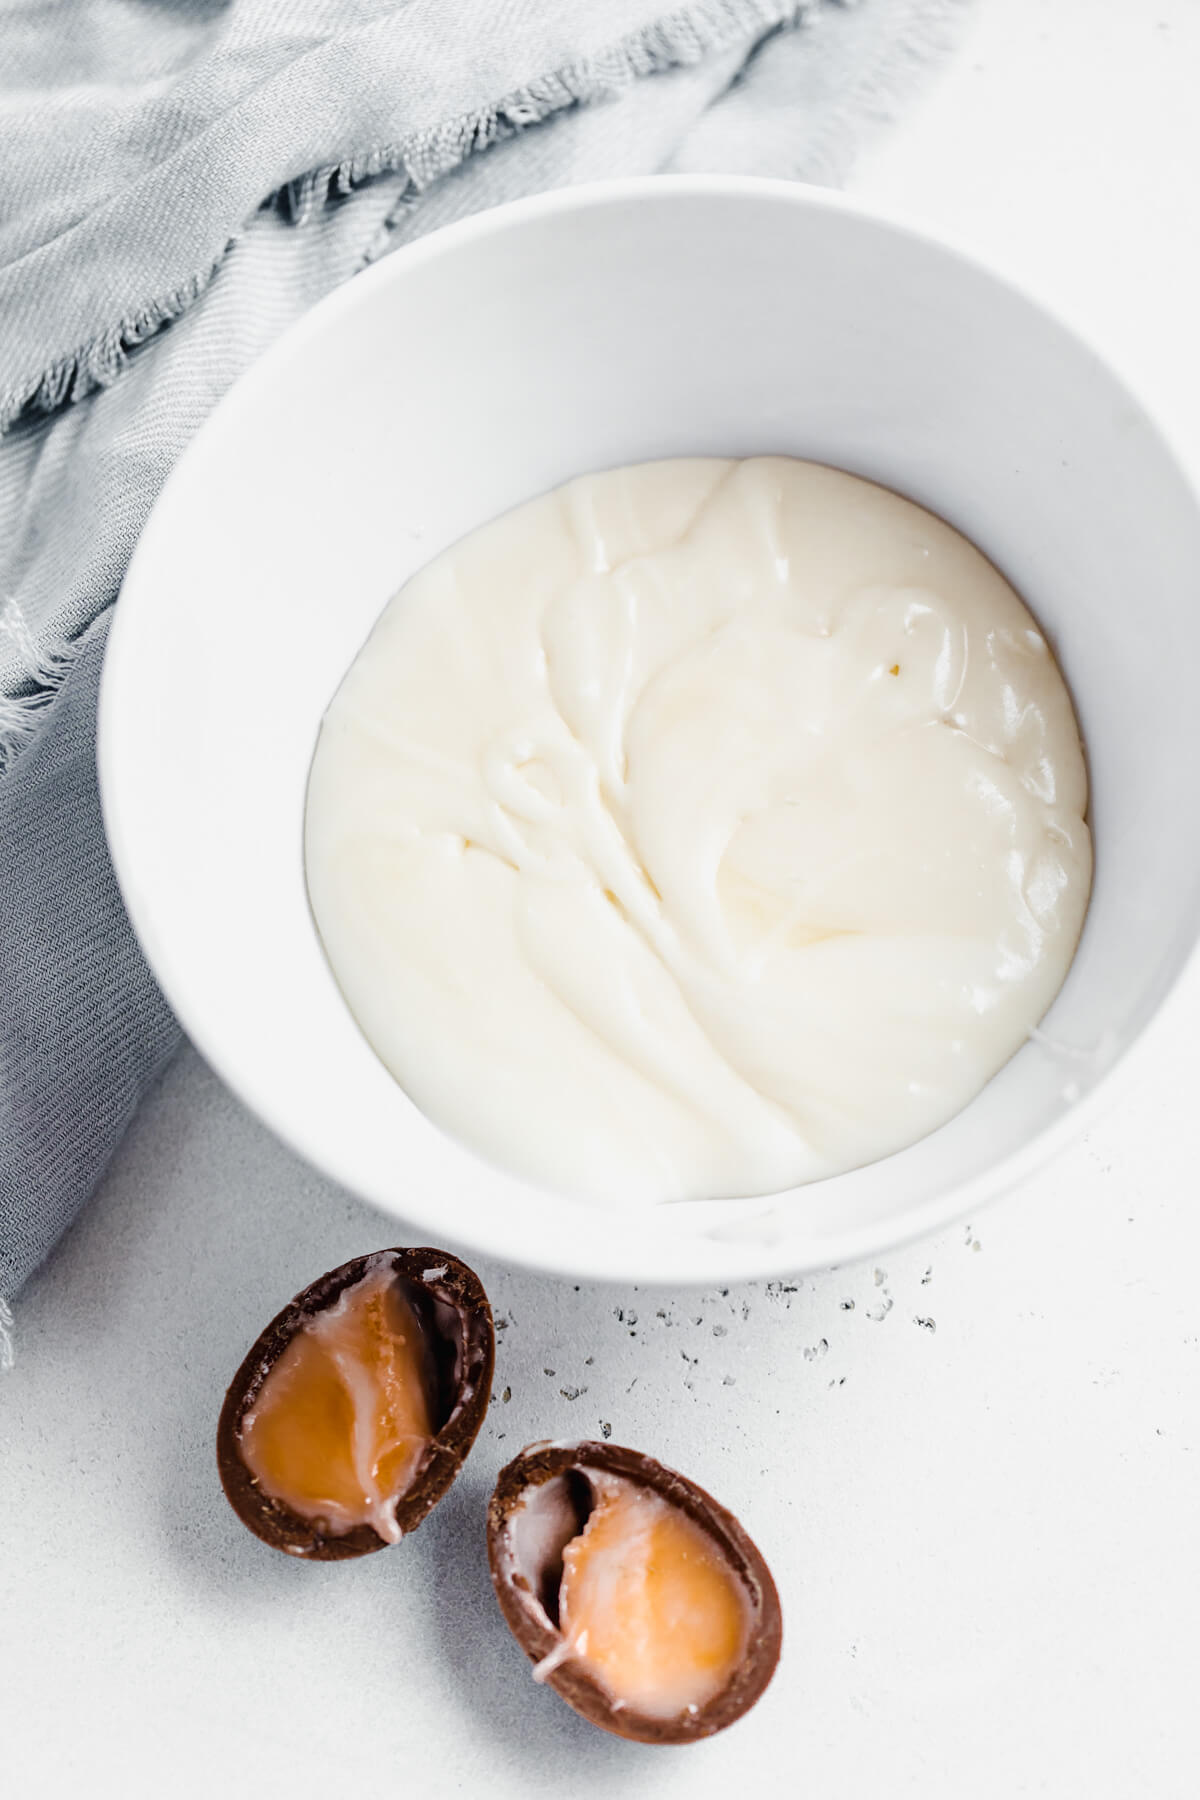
(648, 1604)
(341, 1423)
(700, 829)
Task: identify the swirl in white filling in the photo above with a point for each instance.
(700, 829)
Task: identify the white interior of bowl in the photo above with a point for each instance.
(483, 366)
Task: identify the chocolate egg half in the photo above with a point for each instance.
(638, 1597)
(356, 1408)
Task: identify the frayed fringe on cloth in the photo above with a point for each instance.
(97, 363)
(21, 714)
(45, 667)
(930, 30)
(679, 40)
(7, 1348)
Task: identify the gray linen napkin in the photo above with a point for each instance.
(197, 175)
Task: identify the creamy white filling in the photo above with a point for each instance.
(700, 829)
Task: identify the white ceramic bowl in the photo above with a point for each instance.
(492, 361)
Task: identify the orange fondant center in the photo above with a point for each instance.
(649, 1604)
(342, 1420)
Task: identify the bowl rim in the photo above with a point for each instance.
(634, 1257)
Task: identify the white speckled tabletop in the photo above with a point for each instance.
(975, 1468)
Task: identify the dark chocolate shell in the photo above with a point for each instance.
(450, 1304)
(526, 1576)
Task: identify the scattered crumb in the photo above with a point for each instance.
(572, 1393)
(549, 1371)
(719, 1331)
(847, 1306)
(506, 1396)
(926, 1324)
(812, 1351)
(605, 1429)
(927, 1277)
(880, 1277)
(876, 1313)
(728, 1381)
(588, 1361)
